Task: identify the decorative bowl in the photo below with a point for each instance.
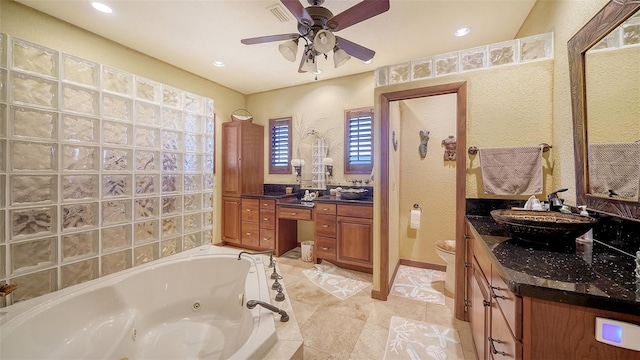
(353, 194)
(546, 227)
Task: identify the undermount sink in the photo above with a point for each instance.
(554, 229)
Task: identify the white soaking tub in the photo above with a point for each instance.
(186, 306)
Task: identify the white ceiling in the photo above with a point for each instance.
(191, 34)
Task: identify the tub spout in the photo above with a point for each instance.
(267, 252)
(284, 317)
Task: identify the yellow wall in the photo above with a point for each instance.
(428, 182)
(564, 18)
(613, 95)
(319, 106)
(31, 25)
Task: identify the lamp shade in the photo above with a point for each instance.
(288, 49)
(340, 57)
(324, 41)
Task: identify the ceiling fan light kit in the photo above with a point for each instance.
(316, 26)
(340, 56)
(288, 49)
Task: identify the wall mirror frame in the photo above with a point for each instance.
(605, 21)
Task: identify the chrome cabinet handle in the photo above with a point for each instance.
(294, 214)
(248, 234)
(325, 225)
(265, 219)
(493, 347)
(249, 210)
(325, 248)
(266, 239)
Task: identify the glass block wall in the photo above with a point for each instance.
(100, 170)
(508, 53)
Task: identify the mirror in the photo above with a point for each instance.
(612, 80)
(605, 108)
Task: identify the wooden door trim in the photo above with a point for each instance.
(460, 89)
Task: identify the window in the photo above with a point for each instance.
(358, 137)
(280, 146)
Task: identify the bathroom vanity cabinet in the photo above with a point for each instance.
(344, 234)
(519, 309)
(242, 172)
(494, 311)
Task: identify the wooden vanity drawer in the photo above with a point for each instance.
(508, 303)
(267, 205)
(361, 211)
(267, 237)
(294, 213)
(326, 225)
(325, 248)
(250, 210)
(250, 233)
(267, 219)
(325, 209)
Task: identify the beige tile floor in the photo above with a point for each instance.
(358, 327)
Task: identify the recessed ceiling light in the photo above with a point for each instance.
(218, 63)
(462, 31)
(101, 7)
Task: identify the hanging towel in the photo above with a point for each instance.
(616, 167)
(512, 171)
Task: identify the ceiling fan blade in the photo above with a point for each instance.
(298, 11)
(357, 13)
(269, 38)
(355, 50)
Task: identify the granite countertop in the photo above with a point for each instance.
(367, 200)
(268, 196)
(304, 205)
(596, 276)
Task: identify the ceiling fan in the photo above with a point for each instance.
(316, 25)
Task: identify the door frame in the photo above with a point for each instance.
(460, 89)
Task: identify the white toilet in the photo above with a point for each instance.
(446, 249)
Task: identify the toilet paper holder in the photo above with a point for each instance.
(416, 206)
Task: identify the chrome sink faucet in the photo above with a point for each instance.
(555, 203)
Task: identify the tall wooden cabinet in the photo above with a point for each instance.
(242, 172)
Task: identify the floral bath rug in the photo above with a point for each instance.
(337, 282)
(412, 339)
(419, 284)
